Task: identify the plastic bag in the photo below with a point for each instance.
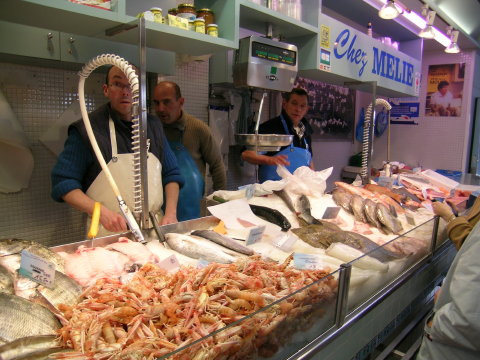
(305, 181)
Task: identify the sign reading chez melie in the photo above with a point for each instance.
(350, 53)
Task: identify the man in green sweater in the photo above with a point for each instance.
(194, 146)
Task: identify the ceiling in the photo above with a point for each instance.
(464, 15)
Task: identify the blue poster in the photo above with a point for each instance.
(404, 112)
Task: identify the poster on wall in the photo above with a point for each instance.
(331, 111)
(445, 90)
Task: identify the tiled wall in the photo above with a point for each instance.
(38, 96)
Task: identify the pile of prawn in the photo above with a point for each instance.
(158, 313)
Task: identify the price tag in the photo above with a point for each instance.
(37, 269)
(306, 262)
(170, 263)
(331, 212)
(410, 219)
(385, 181)
(255, 235)
(284, 242)
(202, 263)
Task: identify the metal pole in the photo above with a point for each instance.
(145, 221)
(433, 243)
(342, 295)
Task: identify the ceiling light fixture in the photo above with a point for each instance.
(427, 32)
(453, 47)
(389, 10)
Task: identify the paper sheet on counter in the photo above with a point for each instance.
(236, 214)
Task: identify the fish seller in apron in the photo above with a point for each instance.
(78, 179)
(194, 146)
(290, 122)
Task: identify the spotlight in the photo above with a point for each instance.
(453, 47)
(389, 10)
(428, 32)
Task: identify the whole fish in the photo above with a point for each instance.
(306, 210)
(371, 213)
(223, 240)
(314, 233)
(30, 347)
(282, 194)
(359, 242)
(386, 218)
(343, 199)
(198, 248)
(271, 215)
(65, 291)
(6, 281)
(358, 208)
(20, 318)
(161, 252)
(15, 247)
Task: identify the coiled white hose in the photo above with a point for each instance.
(366, 131)
(115, 60)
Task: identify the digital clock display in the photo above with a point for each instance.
(273, 53)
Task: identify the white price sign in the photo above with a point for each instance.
(170, 263)
(202, 263)
(284, 242)
(36, 268)
(255, 235)
(306, 262)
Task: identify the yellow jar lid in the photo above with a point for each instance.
(205, 10)
(186, 5)
(155, 9)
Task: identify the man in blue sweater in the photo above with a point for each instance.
(78, 179)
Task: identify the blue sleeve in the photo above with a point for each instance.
(170, 169)
(71, 167)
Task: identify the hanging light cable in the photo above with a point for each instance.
(389, 10)
(428, 32)
(453, 47)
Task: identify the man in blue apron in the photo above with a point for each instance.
(194, 146)
(78, 179)
(290, 122)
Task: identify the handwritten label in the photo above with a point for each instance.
(170, 263)
(284, 242)
(255, 235)
(37, 269)
(306, 262)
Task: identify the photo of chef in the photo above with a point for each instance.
(331, 111)
(445, 89)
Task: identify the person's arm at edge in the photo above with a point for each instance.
(172, 190)
(110, 220)
(211, 154)
(172, 182)
(257, 159)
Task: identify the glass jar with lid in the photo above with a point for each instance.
(199, 25)
(206, 14)
(187, 11)
(212, 30)
(157, 14)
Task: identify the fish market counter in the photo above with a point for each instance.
(258, 308)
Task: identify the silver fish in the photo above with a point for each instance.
(30, 347)
(342, 199)
(20, 318)
(198, 248)
(15, 246)
(223, 240)
(358, 208)
(282, 194)
(305, 210)
(6, 281)
(386, 218)
(65, 291)
(371, 213)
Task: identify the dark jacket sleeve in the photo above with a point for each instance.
(71, 167)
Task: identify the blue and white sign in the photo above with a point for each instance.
(355, 55)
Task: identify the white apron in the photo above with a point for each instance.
(121, 167)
